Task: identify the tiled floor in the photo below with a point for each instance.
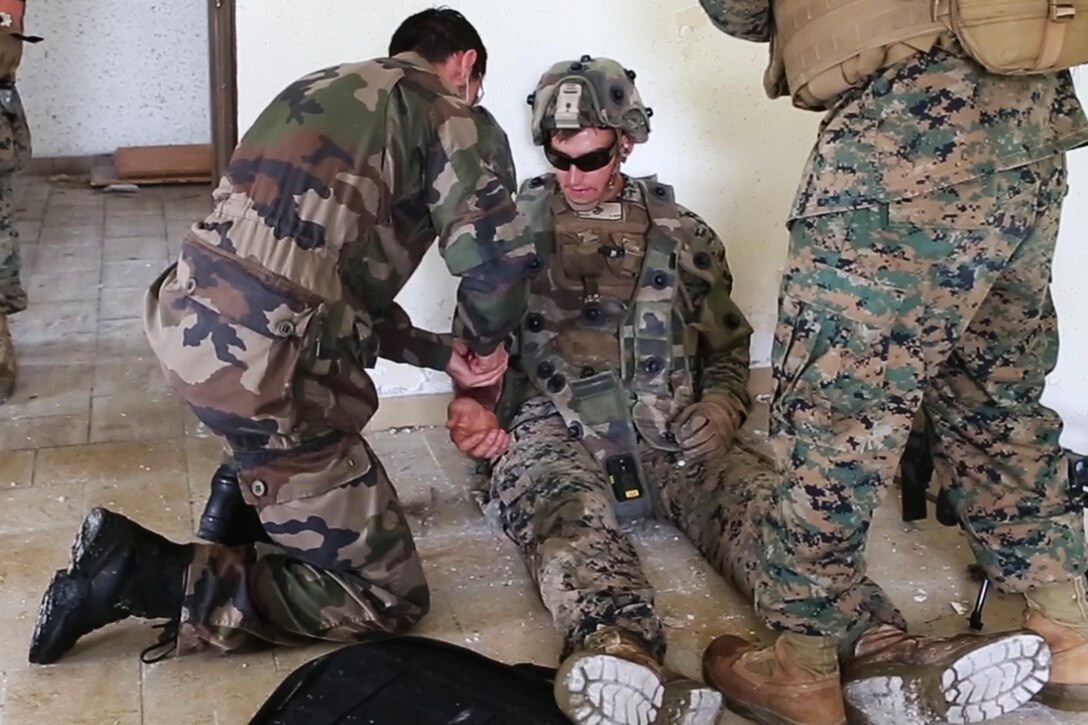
(92, 424)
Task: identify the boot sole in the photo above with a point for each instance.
(984, 683)
(692, 705)
(93, 539)
(46, 652)
(599, 689)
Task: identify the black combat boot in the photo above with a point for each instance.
(119, 570)
(227, 518)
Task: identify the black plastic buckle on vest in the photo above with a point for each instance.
(632, 499)
(612, 251)
(622, 471)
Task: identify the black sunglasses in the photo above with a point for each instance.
(586, 162)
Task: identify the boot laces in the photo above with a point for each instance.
(166, 644)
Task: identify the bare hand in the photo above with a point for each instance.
(471, 371)
(497, 360)
(475, 430)
(486, 445)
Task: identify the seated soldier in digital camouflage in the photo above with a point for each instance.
(627, 396)
(614, 254)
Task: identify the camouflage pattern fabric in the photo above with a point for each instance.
(494, 148)
(921, 242)
(549, 490)
(283, 296)
(12, 295)
(15, 151)
(941, 301)
(607, 321)
(343, 565)
(723, 505)
(555, 503)
(587, 93)
(931, 121)
(935, 121)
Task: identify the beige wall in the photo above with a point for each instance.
(112, 74)
(733, 156)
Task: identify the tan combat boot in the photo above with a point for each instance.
(895, 678)
(772, 685)
(614, 680)
(7, 360)
(1060, 615)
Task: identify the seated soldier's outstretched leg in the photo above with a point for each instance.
(969, 676)
(556, 504)
(342, 565)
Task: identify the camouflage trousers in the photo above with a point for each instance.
(343, 563)
(15, 150)
(12, 294)
(941, 301)
(554, 501)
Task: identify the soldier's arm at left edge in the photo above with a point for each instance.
(483, 239)
(724, 335)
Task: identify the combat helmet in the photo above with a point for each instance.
(588, 92)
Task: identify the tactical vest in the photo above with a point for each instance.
(604, 335)
(822, 48)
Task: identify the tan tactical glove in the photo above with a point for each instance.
(706, 429)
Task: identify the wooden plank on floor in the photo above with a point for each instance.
(104, 173)
(151, 162)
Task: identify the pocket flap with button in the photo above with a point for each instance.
(278, 476)
(252, 297)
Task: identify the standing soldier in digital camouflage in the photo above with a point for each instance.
(921, 242)
(279, 301)
(555, 489)
(629, 303)
(14, 152)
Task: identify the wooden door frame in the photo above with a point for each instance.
(223, 64)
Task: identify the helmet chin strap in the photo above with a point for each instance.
(611, 191)
(615, 183)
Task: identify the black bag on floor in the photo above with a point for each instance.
(412, 681)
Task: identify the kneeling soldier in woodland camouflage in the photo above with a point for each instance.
(279, 301)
